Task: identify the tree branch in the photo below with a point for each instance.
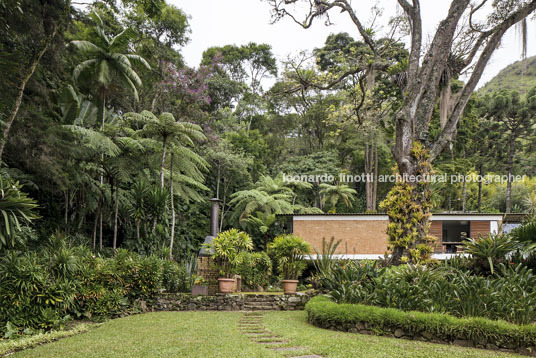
(498, 32)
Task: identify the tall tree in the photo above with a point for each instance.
(108, 63)
(459, 43)
(27, 30)
(514, 118)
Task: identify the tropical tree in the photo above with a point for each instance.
(108, 63)
(333, 193)
(268, 195)
(185, 165)
(169, 132)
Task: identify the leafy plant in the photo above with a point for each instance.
(324, 261)
(255, 268)
(226, 247)
(16, 208)
(200, 281)
(289, 252)
(525, 235)
(492, 248)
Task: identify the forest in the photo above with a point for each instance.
(110, 139)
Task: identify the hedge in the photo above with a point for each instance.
(433, 327)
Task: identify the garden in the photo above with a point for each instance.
(483, 300)
(154, 157)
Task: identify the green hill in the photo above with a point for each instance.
(520, 76)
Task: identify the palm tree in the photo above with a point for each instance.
(169, 132)
(108, 63)
(185, 179)
(269, 196)
(185, 166)
(333, 193)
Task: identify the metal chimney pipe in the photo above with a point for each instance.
(214, 217)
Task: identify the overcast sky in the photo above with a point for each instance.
(222, 22)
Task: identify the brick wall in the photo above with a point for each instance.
(358, 236)
(207, 269)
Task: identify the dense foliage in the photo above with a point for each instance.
(45, 287)
(117, 140)
(509, 294)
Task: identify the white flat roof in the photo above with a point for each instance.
(379, 217)
(381, 256)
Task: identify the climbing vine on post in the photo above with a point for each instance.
(408, 206)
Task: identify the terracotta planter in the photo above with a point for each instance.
(198, 290)
(226, 285)
(289, 286)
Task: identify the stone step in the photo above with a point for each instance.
(259, 306)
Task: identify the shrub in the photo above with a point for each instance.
(174, 277)
(42, 289)
(490, 250)
(323, 312)
(324, 262)
(226, 247)
(289, 251)
(255, 268)
(509, 294)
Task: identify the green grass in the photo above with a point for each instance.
(216, 334)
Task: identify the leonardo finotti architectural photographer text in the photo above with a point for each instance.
(432, 178)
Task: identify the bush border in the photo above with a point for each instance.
(431, 327)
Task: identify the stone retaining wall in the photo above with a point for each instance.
(230, 302)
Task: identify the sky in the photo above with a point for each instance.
(223, 22)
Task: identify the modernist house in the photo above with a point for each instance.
(364, 236)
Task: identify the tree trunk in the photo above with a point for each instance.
(375, 183)
(162, 164)
(20, 90)
(480, 188)
(66, 214)
(95, 233)
(417, 208)
(464, 195)
(116, 215)
(102, 113)
(100, 230)
(511, 151)
(368, 171)
(172, 209)
(138, 230)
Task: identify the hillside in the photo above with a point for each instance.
(520, 76)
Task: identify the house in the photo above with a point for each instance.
(364, 236)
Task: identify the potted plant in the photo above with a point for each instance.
(288, 252)
(200, 286)
(226, 247)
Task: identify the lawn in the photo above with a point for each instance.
(217, 334)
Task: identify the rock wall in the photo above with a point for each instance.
(230, 302)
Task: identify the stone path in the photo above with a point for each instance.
(251, 325)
